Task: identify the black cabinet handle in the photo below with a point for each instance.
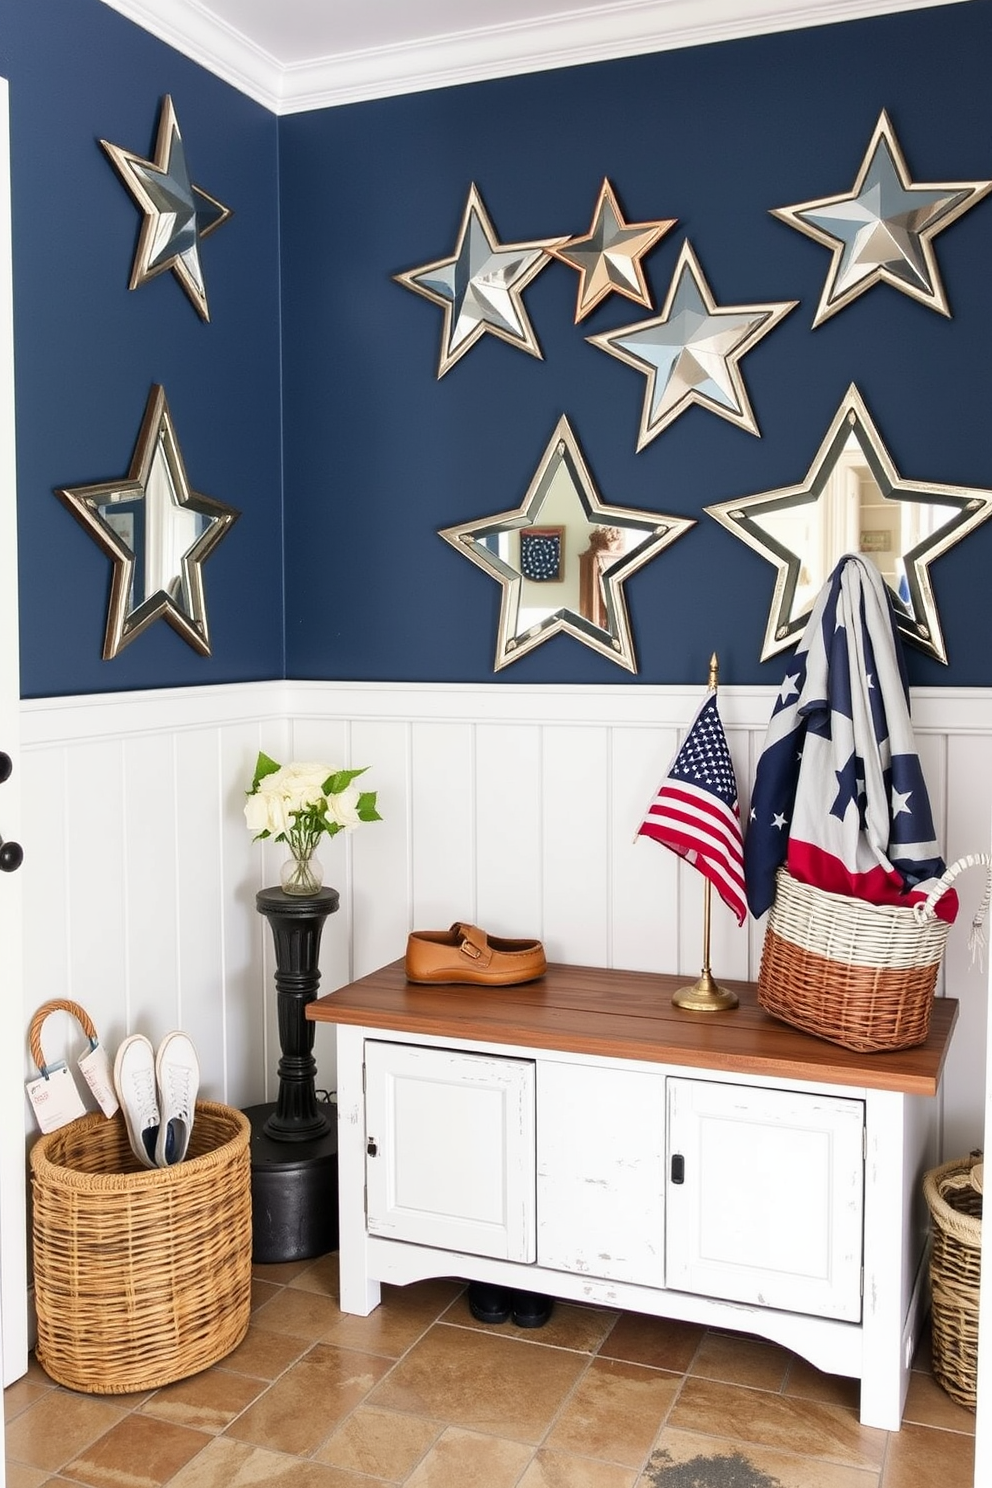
(11, 853)
(678, 1168)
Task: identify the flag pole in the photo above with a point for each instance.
(706, 995)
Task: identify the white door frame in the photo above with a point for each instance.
(13, 1222)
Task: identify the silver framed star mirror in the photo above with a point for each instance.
(882, 230)
(480, 286)
(562, 557)
(853, 500)
(176, 215)
(157, 531)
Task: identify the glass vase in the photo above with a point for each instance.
(302, 873)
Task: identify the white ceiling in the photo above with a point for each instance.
(301, 54)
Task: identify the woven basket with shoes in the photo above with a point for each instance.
(954, 1196)
(142, 1276)
(858, 974)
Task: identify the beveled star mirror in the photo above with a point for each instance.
(562, 557)
(157, 531)
(853, 500)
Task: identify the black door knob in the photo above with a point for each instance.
(11, 856)
(5, 767)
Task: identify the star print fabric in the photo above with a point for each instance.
(839, 794)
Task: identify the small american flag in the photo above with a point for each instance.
(695, 812)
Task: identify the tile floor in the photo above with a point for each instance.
(420, 1394)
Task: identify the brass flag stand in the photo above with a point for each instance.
(706, 995)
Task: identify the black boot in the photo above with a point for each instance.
(530, 1309)
(488, 1303)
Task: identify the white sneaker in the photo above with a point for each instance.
(134, 1081)
(178, 1073)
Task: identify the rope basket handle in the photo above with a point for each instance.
(63, 1005)
(925, 909)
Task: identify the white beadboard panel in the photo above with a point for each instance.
(380, 893)
(507, 796)
(578, 860)
(148, 1001)
(98, 837)
(515, 806)
(46, 882)
(443, 827)
(968, 811)
(644, 887)
(245, 1050)
(198, 869)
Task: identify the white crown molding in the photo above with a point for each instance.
(600, 33)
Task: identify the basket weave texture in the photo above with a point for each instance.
(955, 1205)
(858, 974)
(142, 1276)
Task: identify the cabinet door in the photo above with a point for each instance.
(601, 1172)
(765, 1197)
(450, 1143)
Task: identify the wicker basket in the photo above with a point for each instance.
(954, 1195)
(858, 974)
(141, 1276)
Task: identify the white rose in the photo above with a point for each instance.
(343, 808)
(257, 813)
(267, 811)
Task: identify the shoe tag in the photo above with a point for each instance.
(98, 1075)
(55, 1098)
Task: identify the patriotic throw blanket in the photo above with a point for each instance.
(839, 795)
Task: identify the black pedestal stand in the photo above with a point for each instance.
(294, 1149)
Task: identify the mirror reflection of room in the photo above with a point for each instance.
(852, 515)
(561, 530)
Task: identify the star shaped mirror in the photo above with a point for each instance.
(158, 532)
(176, 215)
(562, 557)
(853, 500)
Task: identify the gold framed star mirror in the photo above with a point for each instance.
(157, 531)
(562, 557)
(853, 500)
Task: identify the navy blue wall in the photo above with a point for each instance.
(379, 454)
(88, 350)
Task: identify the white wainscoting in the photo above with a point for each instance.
(514, 807)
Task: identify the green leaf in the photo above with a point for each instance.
(263, 766)
(340, 780)
(366, 807)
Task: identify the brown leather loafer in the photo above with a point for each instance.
(467, 954)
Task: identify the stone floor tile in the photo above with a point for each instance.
(682, 1459)
(928, 1404)
(550, 1469)
(923, 1457)
(302, 1408)
(205, 1402)
(615, 1412)
(264, 1354)
(739, 1360)
(470, 1460)
(57, 1427)
(661, 1342)
(229, 1464)
(382, 1444)
(811, 1428)
(138, 1452)
(481, 1381)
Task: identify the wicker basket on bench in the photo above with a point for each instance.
(859, 974)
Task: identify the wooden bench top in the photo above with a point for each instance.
(629, 1015)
